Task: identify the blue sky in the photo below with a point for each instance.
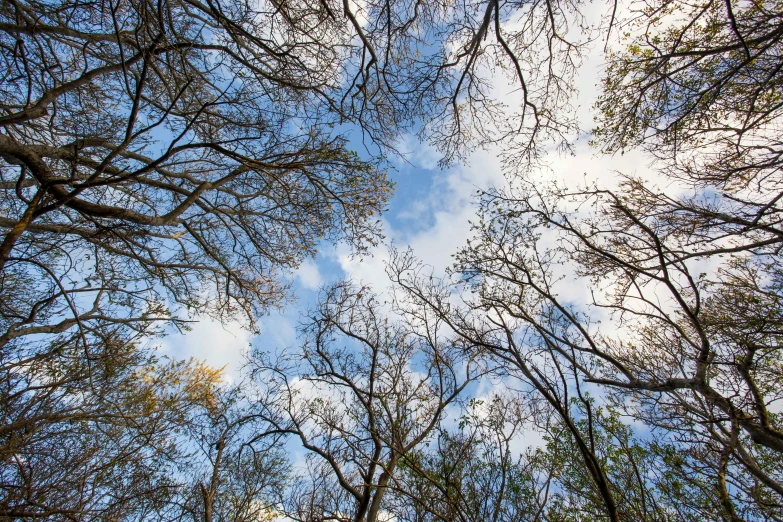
(428, 213)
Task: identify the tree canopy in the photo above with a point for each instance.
(163, 162)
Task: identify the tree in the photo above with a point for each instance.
(231, 473)
(155, 158)
(361, 394)
(167, 152)
(439, 66)
(494, 318)
(133, 439)
(101, 446)
(472, 472)
(681, 325)
(178, 156)
(695, 356)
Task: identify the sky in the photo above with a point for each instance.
(429, 213)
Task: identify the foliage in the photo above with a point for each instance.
(104, 438)
(179, 157)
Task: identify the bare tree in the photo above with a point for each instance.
(134, 439)
(179, 156)
(155, 158)
(442, 64)
(681, 326)
(472, 471)
(155, 148)
(362, 393)
(231, 473)
(511, 327)
(170, 156)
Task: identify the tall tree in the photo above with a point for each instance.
(180, 155)
(680, 327)
(473, 474)
(133, 439)
(167, 151)
(472, 471)
(446, 64)
(155, 158)
(102, 446)
(363, 392)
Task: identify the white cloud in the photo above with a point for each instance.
(219, 345)
(308, 275)
(417, 153)
(448, 206)
(359, 10)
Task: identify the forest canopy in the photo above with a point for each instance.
(172, 161)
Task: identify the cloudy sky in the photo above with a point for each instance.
(429, 213)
